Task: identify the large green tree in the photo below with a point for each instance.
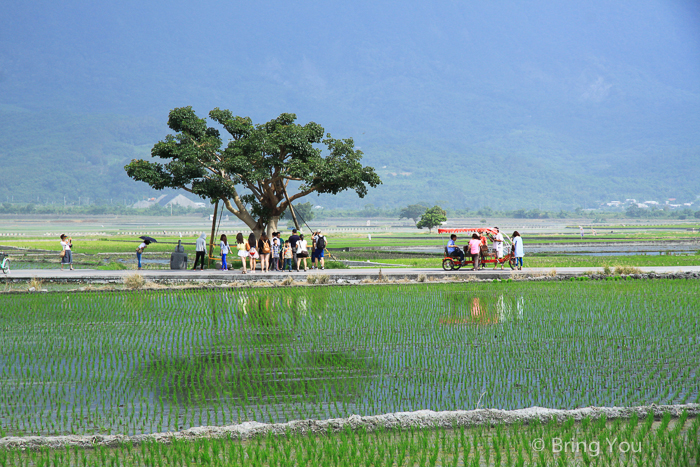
(252, 172)
(432, 218)
(413, 212)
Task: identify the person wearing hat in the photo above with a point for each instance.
(498, 247)
(320, 242)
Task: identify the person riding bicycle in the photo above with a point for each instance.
(4, 263)
(453, 250)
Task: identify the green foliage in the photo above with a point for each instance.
(432, 217)
(260, 159)
(634, 211)
(305, 209)
(413, 212)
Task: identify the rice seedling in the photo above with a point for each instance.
(167, 360)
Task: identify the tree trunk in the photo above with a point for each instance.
(255, 226)
(272, 226)
(258, 229)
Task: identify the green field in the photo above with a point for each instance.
(158, 361)
(164, 361)
(127, 244)
(553, 262)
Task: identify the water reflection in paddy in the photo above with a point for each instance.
(158, 361)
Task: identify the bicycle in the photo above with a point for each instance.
(5, 263)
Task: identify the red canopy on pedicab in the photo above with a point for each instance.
(468, 230)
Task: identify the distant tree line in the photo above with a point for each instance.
(369, 211)
(98, 209)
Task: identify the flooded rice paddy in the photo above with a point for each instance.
(143, 362)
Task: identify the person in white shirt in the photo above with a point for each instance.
(498, 247)
(200, 252)
(302, 252)
(224, 251)
(67, 258)
(140, 249)
(518, 248)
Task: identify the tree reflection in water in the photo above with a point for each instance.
(253, 359)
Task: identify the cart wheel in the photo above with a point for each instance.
(456, 265)
(511, 263)
(448, 264)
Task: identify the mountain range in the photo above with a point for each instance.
(535, 104)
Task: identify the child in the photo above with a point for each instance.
(287, 256)
(224, 252)
(275, 251)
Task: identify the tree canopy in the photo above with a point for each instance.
(432, 218)
(252, 173)
(413, 212)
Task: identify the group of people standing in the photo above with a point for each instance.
(274, 253)
(478, 249)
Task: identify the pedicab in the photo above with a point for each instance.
(451, 262)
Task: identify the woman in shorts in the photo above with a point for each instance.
(242, 252)
(302, 252)
(264, 252)
(253, 252)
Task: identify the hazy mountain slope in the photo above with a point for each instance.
(46, 156)
(579, 102)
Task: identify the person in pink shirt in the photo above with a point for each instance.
(474, 250)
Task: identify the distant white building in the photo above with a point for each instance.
(654, 203)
